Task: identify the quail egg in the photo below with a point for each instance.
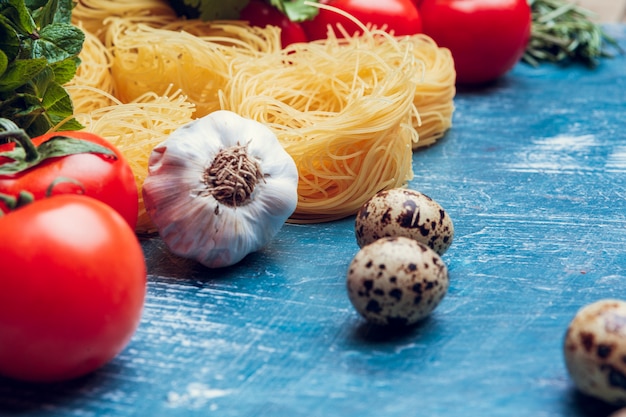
(396, 281)
(404, 212)
(595, 348)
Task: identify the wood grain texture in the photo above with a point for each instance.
(533, 173)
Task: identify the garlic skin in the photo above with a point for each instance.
(189, 192)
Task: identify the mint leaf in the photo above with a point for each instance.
(25, 109)
(19, 15)
(36, 4)
(41, 47)
(65, 70)
(20, 72)
(47, 12)
(57, 42)
(295, 10)
(56, 101)
(9, 39)
(4, 62)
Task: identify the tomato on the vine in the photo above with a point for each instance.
(486, 37)
(259, 13)
(106, 177)
(72, 288)
(398, 16)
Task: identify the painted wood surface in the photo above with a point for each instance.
(533, 173)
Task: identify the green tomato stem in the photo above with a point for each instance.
(13, 202)
(27, 155)
(13, 132)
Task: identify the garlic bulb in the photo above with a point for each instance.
(219, 188)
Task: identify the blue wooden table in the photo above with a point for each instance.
(533, 174)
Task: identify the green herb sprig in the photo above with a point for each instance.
(39, 50)
(564, 32)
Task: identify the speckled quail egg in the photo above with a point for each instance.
(595, 350)
(404, 212)
(396, 281)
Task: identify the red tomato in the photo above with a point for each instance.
(72, 288)
(259, 13)
(105, 178)
(486, 37)
(400, 17)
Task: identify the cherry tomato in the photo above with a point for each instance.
(72, 288)
(108, 179)
(399, 16)
(486, 37)
(259, 13)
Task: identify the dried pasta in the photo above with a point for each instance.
(435, 90)
(342, 109)
(349, 111)
(193, 56)
(92, 86)
(91, 14)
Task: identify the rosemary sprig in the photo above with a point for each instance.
(563, 32)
